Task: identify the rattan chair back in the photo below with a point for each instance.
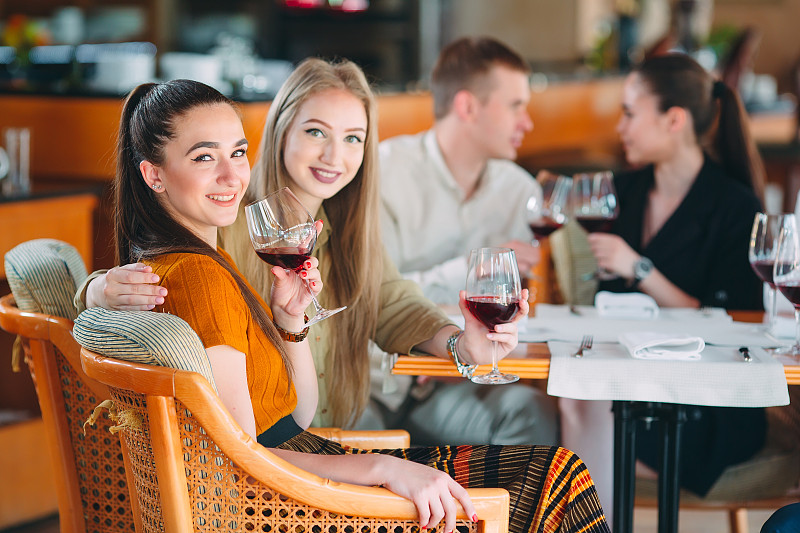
(90, 475)
(195, 469)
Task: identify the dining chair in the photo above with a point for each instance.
(196, 469)
(91, 485)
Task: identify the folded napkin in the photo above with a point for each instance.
(654, 345)
(631, 305)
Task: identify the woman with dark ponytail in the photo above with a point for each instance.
(683, 233)
(686, 212)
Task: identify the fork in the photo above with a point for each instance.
(586, 344)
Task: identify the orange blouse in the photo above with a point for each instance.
(206, 296)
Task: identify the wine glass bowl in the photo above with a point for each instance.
(548, 213)
(786, 273)
(283, 234)
(762, 253)
(593, 201)
(593, 204)
(493, 297)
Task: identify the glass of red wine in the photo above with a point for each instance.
(493, 296)
(786, 274)
(283, 234)
(763, 250)
(593, 204)
(548, 213)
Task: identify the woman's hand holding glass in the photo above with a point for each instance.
(476, 341)
(292, 292)
(283, 234)
(495, 300)
(614, 256)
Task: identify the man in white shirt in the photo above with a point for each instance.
(444, 192)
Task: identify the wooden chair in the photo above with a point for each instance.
(196, 469)
(92, 488)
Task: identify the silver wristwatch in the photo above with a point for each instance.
(464, 370)
(642, 268)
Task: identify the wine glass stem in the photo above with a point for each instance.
(313, 297)
(495, 370)
(773, 309)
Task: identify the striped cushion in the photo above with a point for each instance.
(143, 337)
(43, 275)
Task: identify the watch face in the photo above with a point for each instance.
(642, 268)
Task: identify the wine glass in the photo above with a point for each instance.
(549, 213)
(593, 204)
(283, 234)
(493, 295)
(786, 274)
(763, 250)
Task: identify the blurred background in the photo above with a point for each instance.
(65, 67)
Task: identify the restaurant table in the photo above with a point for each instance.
(532, 361)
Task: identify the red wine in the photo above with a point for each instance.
(490, 311)
(544, 227)
(765, 270)
(595, 224)
(290, 258)
(792, 292)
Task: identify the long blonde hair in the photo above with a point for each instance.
(352, 272)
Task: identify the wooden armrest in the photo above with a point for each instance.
(367, 440)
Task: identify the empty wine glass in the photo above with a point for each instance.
(786, 275)
(762, 254)
(593, 204)
(548, 213)
(493, 296)
(283, 234)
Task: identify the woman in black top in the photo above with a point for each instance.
(685, 216)
(683, 231)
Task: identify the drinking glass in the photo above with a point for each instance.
(593, 204)
(786, 274)
(283, 234)
(493, 295)
(549, 213)
(763, 250)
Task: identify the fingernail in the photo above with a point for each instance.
(159, 301)
(154, 279)
(303, 274)
(475, 518)
(307, 264)
(313, 283)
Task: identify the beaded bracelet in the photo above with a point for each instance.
(289, 336)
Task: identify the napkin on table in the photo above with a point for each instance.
(631, 305)
(654, 345)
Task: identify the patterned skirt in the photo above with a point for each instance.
(550, 487)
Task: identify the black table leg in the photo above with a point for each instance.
(672, 418)
(624, 465)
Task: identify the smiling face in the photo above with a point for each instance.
(643, 129)
(205, 170)
(502, 117)
(324, 146)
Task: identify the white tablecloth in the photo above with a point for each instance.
(721, 377)
(557, 323)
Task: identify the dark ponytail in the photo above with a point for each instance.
(734, 145)
(679, 81)
(143, 229)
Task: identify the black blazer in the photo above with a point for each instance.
(702, 248)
